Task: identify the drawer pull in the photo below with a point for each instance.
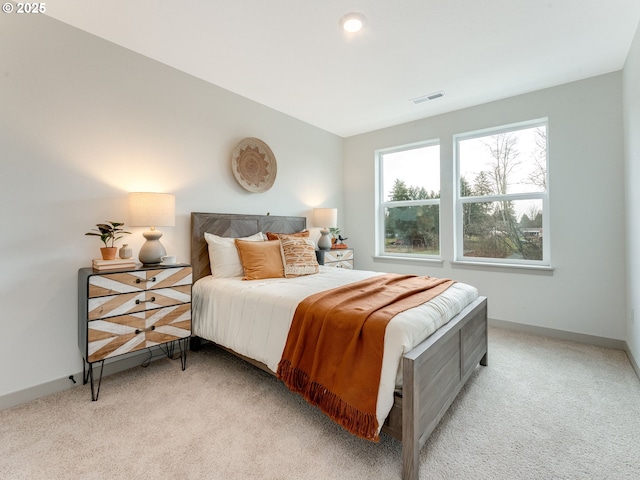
(152, 279)
(152, 299)
(151, 328)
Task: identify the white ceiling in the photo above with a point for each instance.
(292, 56)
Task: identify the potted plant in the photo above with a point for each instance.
(334, 231)
(109, 233)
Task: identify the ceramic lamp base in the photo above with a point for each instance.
(324, 242)
(152, 250)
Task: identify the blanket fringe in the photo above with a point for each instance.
(362, 424)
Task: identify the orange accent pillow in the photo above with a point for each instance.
(260, 259)
(299, 255)
(278, 236)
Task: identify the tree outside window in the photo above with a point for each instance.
(410, 200)
(502, 197)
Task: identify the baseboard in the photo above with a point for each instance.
(561, 334)
(117, 365)
(632, 360)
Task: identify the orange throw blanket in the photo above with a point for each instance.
(333, 354)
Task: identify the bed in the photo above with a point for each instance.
(432, 372)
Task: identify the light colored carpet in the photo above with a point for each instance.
(543, 409)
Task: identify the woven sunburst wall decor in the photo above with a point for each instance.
(254, 165)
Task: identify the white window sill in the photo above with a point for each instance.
(412, 260)
(458, 263)
(539, 268)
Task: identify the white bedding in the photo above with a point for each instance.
(253, 318)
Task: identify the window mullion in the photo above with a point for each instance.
(411, 203)
(503, 198)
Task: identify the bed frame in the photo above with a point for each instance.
(433, 372)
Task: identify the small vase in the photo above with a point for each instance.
(108, 253)
(126, 251)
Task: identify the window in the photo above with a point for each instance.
(502, 204)
(409, 201)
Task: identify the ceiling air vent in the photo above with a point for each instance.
(426, 98)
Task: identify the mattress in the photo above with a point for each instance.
(252, 318)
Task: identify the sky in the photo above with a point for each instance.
(417, 167)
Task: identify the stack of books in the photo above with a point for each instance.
(99, 264)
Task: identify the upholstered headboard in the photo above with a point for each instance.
(232, 225)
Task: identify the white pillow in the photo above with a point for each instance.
(314, 235)
(223, 254)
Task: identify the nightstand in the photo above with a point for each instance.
(337, 258)
(122, 311)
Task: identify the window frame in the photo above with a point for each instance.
(382, 205)
(460, 201)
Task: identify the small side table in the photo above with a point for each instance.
(336, 258)
(122, 311)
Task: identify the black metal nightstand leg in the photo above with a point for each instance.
(87, 375)
(184, 347)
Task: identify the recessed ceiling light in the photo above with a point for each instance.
(352, 22)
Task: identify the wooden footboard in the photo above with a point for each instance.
(433, 374)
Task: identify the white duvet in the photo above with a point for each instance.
(253, 318)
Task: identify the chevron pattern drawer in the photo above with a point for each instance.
(336, 258)
(138, 281)
(125, 311)
(127, 333)
(113, 305)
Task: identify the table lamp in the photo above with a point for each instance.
(152, 210)
(325, 218)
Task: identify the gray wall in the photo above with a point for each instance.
(632, 163)
(585, 293)
(83, 122)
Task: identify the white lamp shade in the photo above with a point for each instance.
(325, 217)
(148, 209)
